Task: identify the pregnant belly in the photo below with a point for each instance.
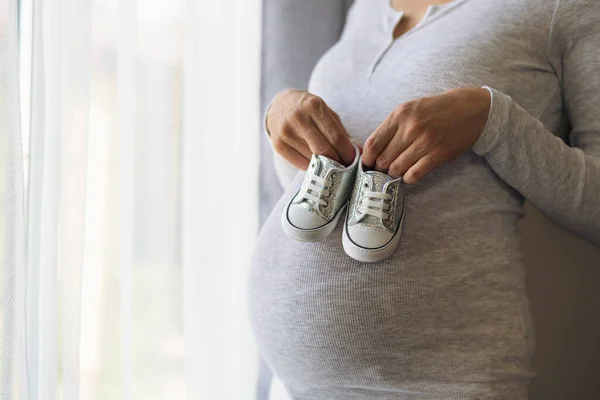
(449, 301)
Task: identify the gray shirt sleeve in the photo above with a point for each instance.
(562, 181)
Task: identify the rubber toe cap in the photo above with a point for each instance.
(303, 219)
(369, 238)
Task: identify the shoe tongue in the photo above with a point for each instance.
(379, 180)
(327, 164)
(320, 165)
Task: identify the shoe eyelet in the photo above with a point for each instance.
(366, 185)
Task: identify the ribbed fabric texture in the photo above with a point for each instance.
(446, 317)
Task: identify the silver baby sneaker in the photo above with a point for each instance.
(313, 213)
(374, 219)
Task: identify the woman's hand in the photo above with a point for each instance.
(423, 134)
(301, 124)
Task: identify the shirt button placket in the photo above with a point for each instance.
(389, 22)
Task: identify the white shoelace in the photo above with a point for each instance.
(314, 188)
(374, 203)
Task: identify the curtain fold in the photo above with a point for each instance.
(13, 368)
(127, 127)
(141, 196)
(57, 181)
(220, 175)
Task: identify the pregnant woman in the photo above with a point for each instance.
(478, 105)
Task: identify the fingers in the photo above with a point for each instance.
(407, 158)
(294, 157)
(304, 123)
(335, 134)
(317, 142)
(298, 144)
(378, 140)
(390, 153)
(423, 166)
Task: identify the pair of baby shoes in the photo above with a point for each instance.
(374, 204)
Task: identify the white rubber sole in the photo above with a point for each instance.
(310, 235)
(366, 255)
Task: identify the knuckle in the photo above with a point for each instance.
(398, 168)
(370, 145)
(382, 163)
(336, 137)
(399, 111)
(394, 171)
(316, 103)
(412, 175)
(286, 130)
(403, 109)
(311, 102)
(278, 145)
(296, 115)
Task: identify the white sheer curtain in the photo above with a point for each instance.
(124, 268)
(13, 367)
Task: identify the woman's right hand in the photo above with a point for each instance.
(301, 124)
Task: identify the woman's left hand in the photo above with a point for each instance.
(421, 135)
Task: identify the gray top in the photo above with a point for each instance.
(446, 317)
